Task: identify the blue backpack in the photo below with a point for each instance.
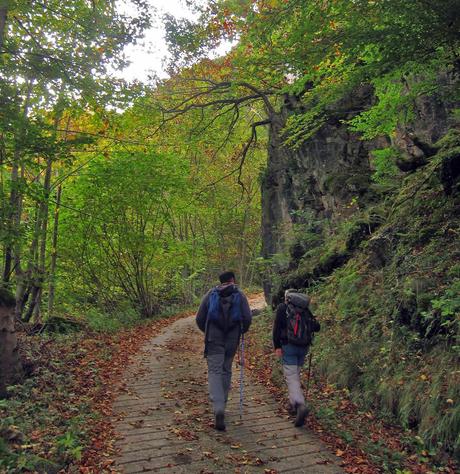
(225, 311)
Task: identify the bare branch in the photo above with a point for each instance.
(247, 146)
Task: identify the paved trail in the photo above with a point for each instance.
(165, 421)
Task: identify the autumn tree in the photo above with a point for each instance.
(54, 57)
(155, 218)
(313, 54)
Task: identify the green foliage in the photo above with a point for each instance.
(55, 80)
(152, 223)
(68, 446)
(451, 140)
(350, 303)
(156, 199)
(306, 228)
(386, 175)
(390, 311)
(111, 321)
(323, 54)
(396, 94)
(445, 311)
(126, 235)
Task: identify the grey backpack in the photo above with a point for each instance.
(299, 320)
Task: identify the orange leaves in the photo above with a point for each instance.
(333, 25)
(98, 375)
(228, 27)
(185, 434)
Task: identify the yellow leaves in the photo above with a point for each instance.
(268, 5)
(339, 453)
(29, 446)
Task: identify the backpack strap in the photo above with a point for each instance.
(214, 305)
(235, 310)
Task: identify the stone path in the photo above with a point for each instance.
(165, 422)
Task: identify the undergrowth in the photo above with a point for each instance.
(390, 308)
(43, 422)
(360, 431)
(58, 417)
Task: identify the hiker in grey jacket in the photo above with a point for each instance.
(223, 315)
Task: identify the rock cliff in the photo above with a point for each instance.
(378, 251)
(328, 178)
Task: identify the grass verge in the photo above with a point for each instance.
(366, 443)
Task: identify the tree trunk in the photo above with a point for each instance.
(35, 311)
(13, 248)
(3, 210)
(54, 252)
(44, 208)
(12, 217)
(10, 364)
(7, 264)
(3, 18)
(26, 286)
(242, 247)
(20, 276)
(6, 222)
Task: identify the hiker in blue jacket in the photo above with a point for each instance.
(223, 315)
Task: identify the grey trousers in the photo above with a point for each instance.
(292, 377)
(220, 359)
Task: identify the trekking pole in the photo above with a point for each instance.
(241, 375)
(309, 374)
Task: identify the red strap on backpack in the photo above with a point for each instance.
(296, 327)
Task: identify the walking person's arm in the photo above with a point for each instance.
(202, 314)
(245, 313)
(278, 327)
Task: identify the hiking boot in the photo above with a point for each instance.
(219, 424)
(302, 412)
(291, 409)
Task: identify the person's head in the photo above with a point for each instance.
(227, 277)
